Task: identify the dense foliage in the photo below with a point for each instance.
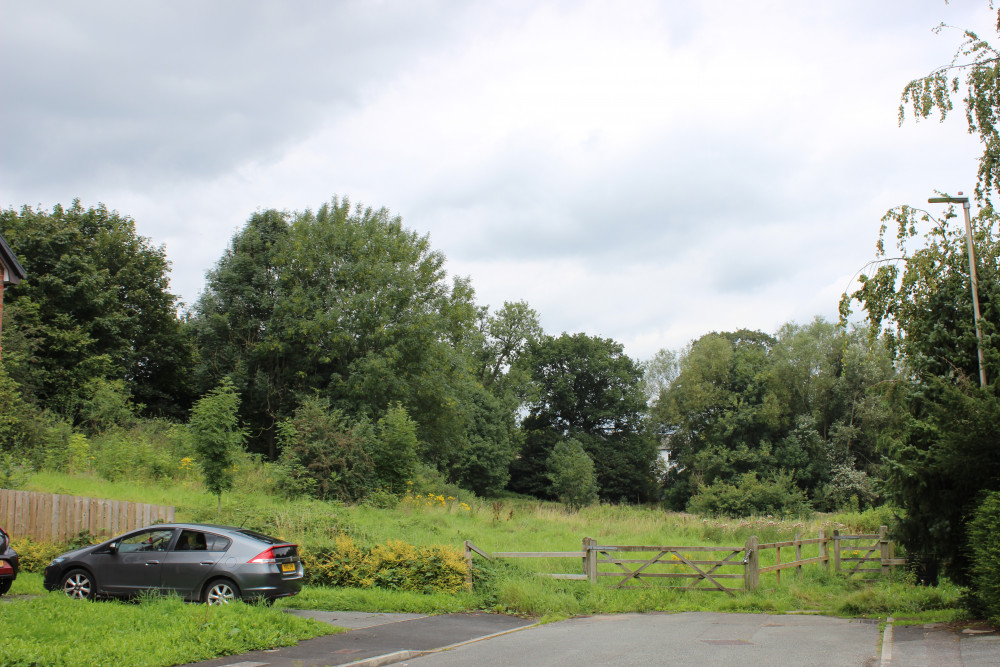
(984, 545)
(94, 310)
(797, 412)
(587, 389)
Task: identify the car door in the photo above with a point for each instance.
(187, 565)
(135, 565)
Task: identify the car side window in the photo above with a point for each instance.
(147, 540)
(217, 542)
(191, 540)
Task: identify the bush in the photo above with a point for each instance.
(35, 556)
(394, 565)
(984, 545)
(749, 496)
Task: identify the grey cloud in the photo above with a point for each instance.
(132, 93)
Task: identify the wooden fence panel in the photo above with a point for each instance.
(58, 518)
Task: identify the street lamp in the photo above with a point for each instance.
(964, 201)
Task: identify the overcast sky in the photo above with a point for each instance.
(647, 171)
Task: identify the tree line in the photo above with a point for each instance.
(356, 363)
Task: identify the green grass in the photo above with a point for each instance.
(515, 524)
(54, 630)
(27, 583)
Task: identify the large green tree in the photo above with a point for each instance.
(586, 388)
(348, 304)
(95, 304)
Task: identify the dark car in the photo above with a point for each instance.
(8, 563)
(198, 562)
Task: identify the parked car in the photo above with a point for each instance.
(199, 562)
(9, 563)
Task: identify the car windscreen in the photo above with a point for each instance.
(261, 537)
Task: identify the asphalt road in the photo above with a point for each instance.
(639, 640)
(691, 638)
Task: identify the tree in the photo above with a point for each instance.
(572, 474)
(217, 435)
(587, 389)
(95, 304)
(942, 452)
(235, 328)
(940, 456)
(980, 62)
(346, 302)
(394, 451)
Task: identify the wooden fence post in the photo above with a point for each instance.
(590, 559)
(836, 551)
(751, 565)
(777, 560)
(798, 552)
(468, 563)
(883, 543)
(823, 551)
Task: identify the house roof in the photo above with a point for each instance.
(15, 272)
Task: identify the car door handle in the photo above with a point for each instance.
(152, 562)
(207, 562)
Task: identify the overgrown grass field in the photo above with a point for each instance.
(523, 525)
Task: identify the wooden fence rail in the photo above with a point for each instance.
(703, 565)
(58, 518)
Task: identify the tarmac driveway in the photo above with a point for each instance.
(697, 638)
(690, 638)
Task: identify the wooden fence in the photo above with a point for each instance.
(59, 518)
(710, 567)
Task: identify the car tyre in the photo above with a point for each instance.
(5, 586)
(79, 585)
(221, 591)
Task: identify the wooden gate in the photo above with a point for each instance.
(669, 562)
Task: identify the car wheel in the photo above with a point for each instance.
(221, 591)
(5, 586)
(79, 584)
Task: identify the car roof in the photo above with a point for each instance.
(243, 532)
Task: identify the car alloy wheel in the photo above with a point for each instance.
(78, 585)
(222, 591)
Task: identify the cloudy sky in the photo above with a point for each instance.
(648, 170)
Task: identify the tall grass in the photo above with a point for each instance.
(529, 525)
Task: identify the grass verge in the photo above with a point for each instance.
(54, 630)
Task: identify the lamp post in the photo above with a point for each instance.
(964, 201)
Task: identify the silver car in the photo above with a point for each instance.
(198, 562)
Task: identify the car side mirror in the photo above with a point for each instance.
(113, 547)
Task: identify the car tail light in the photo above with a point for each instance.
(269, 556)
(264, 557)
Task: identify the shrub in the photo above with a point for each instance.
(395, 565)
(777, 496)
(984, 545)
(34, 556)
